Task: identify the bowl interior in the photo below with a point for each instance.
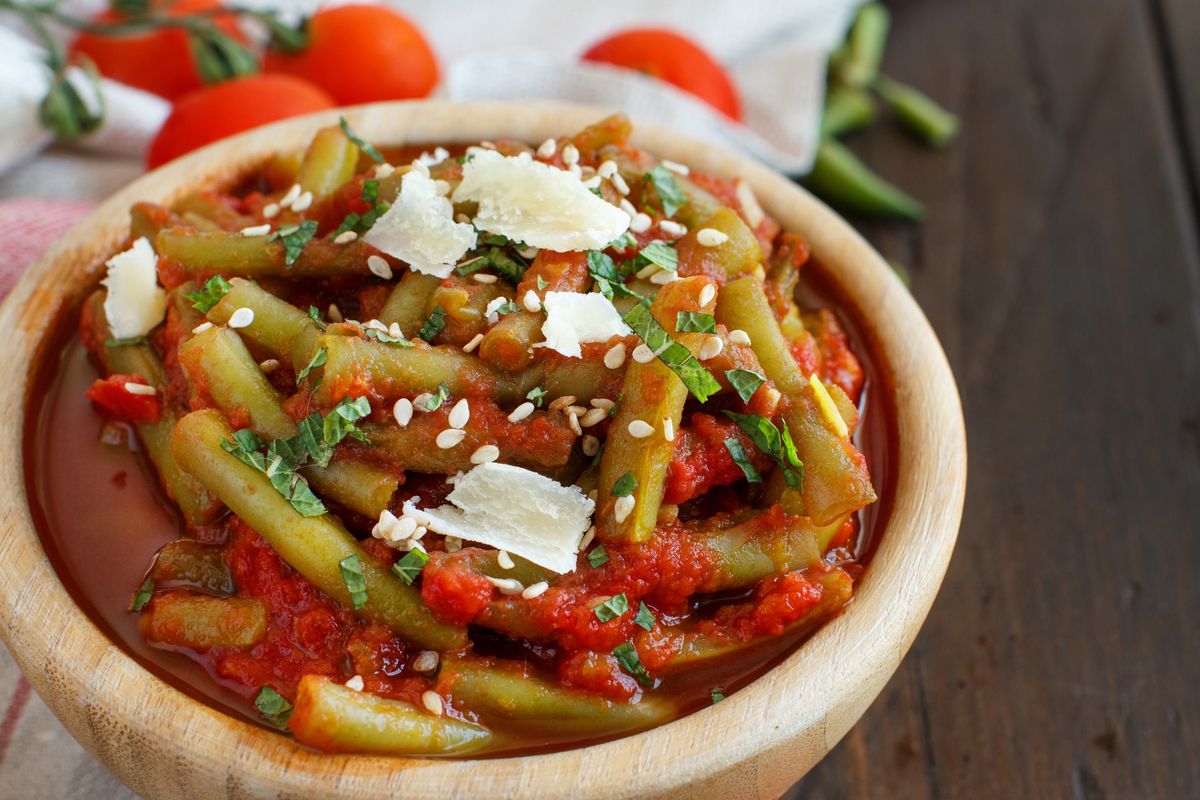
(756, 743)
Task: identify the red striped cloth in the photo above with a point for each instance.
(38, 758)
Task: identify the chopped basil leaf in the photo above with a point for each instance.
(310, 438)
(612, 608)
(437, 398)
(317, 361)
(779, 446)
(370, 190)
(542, 283)
(624, 485)
(717, 695)
(410, 566)
(339, 423)
(623, 242)
(699, 381)
(472, 265)
(509, 268)
(384, 338)
(667, 187)
(536, 395)
(127, 342)
(644, 618)
(745, 382)
(352, 575)
(245, 444)
(294, 239)
(627, 657)
(142, 596)
(739, 456)
(315, 316)
(434, 325)
(597, 556)
(361, 223)
(209, 294)
(661, 254)
(507, 308)
(371, 152)
(608, 278)
(695, 322)
(273, 707)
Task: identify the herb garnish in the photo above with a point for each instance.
(609, 278)
(667, 187)
(644, 618)
(273, 707)
(437, 398)
(774, 442)
(742, 459)
(371, 152)
(699, 381)
(695, 322)
(536, 395)
(612, 608)
(352, 576)
(208, 295)
(409, 567)
(660, 254)
(717, 695)
(315, 316)
(361, 223)
(624, 485)
(294, 239)
(745, 382)
(627, 657)
(434, 325)
(142, 596)
(597, 556)
(317, 361)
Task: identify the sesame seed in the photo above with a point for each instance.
(663, 277)
(403, 411)
(640, 429)
(521, 412)
(641, 223)
(592, 182)
(573, 421)
(426, 661)
(345, 237)
(622, 507)
(471, 345)
(577, 410)
(303, 202)
(484, 278)
(587, 537)
(711, 237)
(270, 210)
(386, 520)
(628, 207)
(379, 267)
(460, 414)
(485, 454)
(739, 336)
(528, 253)
(547, 149)
(711, 348)
(535, 590)
(591, 445)
(462, 219)
(141, 389)
(290, 196)
(643, 354)
(676, 167)
(421, 401)
(334, 313)
(384, 170)
(570, 155)
(433, 703)
(504, 560)
(257, 230)
(673, 228)
(202, 327)
(596, 415)
(668, 428)
(615, 357)
(507, 586)
(531, 301)
(576, 170)
(241, 317)
(451, 437)
(355, 683)
(269, 366)
(602, 402)
(708, 294)
(607, 169)
(619, 184)
(647, 271)
(561, 403)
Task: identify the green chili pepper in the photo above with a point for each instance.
(917, 112)
(841, 178)
(847, 109)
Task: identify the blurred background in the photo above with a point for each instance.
(1029, 168)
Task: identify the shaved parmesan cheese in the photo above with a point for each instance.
(537, 204)
(573, 318)
(135, 302)
(419, 228)
(513, 509)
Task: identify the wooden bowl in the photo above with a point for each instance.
(163, 744)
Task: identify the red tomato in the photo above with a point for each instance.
(215, 112)
(159, 61)
(360, 54)
(666, 55)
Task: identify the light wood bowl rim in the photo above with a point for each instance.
(756, 743)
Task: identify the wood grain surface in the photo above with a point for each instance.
(1059, 266)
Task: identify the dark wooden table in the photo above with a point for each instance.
(1060, 266)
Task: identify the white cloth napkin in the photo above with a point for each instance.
(775, 51)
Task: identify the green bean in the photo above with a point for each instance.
(738, 254)
(313, 546)
(210, 207)
(333, 718)
(847, 109)
(200, 622)
(147, 219)
(189, 318)
(841, 178)
(328, 163)
(388, 370)
(409, 303)
(465, 304)
(218, 360)
(746, 553)
(511, 692)
(233, 254)
(857, 61)
(279, 328)
(189, 564)
(197, 505)
(917, 112)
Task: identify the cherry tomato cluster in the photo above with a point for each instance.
(351, 54)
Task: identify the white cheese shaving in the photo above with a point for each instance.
(573, 318)
(419, 228)
(516, 510)
(135, 302)
(537, 204)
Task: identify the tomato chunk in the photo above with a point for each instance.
(112, 395)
